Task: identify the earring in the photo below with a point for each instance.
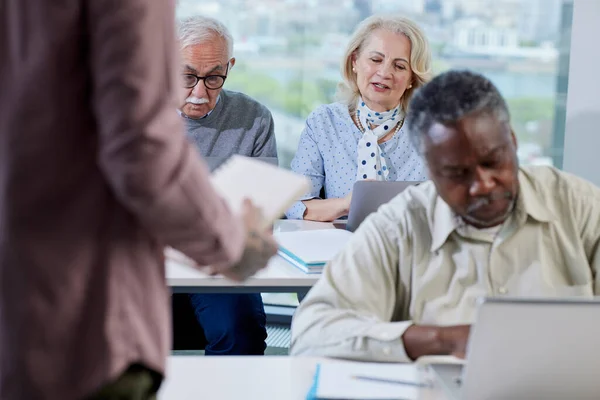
(409, 86)
(353, 69)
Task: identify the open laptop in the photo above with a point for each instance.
(529, 349)
(215, 162)
(367, 196)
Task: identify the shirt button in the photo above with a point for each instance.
(502, 290)
(387, 351)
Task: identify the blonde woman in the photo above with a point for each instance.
(362, 135)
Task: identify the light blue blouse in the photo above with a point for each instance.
(327, 155)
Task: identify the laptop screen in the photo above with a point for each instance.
(367, 196)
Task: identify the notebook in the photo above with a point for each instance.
(271, 188)
(368, 381)
(311, 250)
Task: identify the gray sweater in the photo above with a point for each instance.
(237, 125)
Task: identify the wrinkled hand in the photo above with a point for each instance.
(259, 248)
(346, 202)
(456, 338)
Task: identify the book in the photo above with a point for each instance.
(311, 250)
(272, 189)
(309, 269)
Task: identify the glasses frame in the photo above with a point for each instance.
(204, 78)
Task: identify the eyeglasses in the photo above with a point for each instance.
(211, 82)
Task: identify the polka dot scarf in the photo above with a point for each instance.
(371, 159)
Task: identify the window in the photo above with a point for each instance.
(289, 51)
(288, 54)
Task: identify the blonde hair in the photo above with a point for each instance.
(420, 56)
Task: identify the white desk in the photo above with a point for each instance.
(252, 378)
(279, 276)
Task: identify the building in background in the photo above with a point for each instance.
(539, 21)
(289, 53)
(409, 7)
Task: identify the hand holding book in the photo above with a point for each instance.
(259, 247)
(259, 193)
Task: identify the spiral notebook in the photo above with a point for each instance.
(271, 188)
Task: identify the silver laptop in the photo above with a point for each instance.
(367, 196)
(529, 349)
(215, 162)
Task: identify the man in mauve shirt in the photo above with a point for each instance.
(96, 178)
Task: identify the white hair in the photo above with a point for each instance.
(198, 29)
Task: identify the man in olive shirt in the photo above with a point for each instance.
(408, 282)
(96, 178)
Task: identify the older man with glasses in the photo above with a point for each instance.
(221, 123)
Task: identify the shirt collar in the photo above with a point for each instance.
(443, 223)
(529, 204)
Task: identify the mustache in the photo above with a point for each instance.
(196, 100)
(483, 201)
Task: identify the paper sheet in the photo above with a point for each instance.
(338, 381)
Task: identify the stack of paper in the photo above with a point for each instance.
(357, 380)
(311, 250)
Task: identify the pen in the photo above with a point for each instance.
(393, 381)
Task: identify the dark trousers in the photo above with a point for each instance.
(136, 383)
(221, 324)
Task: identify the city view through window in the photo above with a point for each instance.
(288, 55)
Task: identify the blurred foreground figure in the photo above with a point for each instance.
(96, 178)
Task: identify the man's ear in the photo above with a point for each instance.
(514, 137)
(231, 62)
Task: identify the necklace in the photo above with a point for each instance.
(362, 129)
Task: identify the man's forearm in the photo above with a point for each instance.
(423, 341)
(145, 158)
(420, 340)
